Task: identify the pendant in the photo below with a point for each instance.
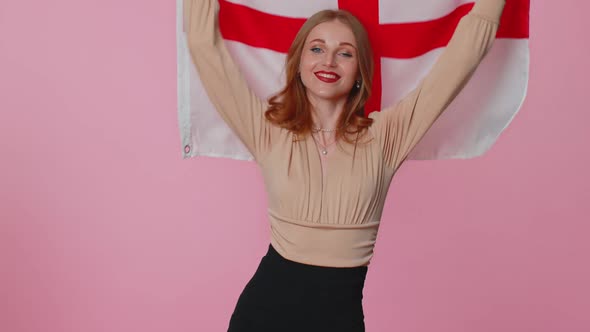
(324, 152)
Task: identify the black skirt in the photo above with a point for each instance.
(285, 296)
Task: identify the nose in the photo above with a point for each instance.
(330, 59)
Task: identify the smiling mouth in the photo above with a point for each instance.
(327, 77)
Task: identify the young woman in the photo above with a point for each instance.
(326, 167)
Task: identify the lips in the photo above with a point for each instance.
(327, 76)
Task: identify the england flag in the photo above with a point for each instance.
(407, 37)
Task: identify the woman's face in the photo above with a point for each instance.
(329, 63)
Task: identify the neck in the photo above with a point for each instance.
(325, 113)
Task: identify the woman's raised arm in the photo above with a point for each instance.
(239, 107)
(401, 126)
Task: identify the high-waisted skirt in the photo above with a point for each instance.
(285, 296)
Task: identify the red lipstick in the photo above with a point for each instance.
(327, 76)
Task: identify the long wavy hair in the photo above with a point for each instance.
(291, 109)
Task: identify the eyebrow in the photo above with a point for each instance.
(323, 41)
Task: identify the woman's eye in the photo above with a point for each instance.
(316, 49)
(346, 54)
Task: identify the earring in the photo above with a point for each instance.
(358, 84)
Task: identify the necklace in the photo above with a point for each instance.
(318, 129)
(324, 148)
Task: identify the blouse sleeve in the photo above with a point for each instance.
(400, 127)
(228, 91)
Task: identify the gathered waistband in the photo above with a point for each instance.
(327, 245)
(313, 271)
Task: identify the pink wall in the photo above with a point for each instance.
(104, 227)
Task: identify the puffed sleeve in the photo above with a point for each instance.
(400, 127)
(227, 89)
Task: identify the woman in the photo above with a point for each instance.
(326, 167)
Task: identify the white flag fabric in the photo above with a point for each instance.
(410, 35)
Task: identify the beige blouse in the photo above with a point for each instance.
(330, 215)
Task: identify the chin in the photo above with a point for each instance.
(329, 95)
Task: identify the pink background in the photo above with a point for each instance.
(105, 228)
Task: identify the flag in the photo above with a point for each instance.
(407, 37)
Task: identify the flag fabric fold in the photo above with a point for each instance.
(407, 38)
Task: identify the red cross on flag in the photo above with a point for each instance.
(407, 37)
